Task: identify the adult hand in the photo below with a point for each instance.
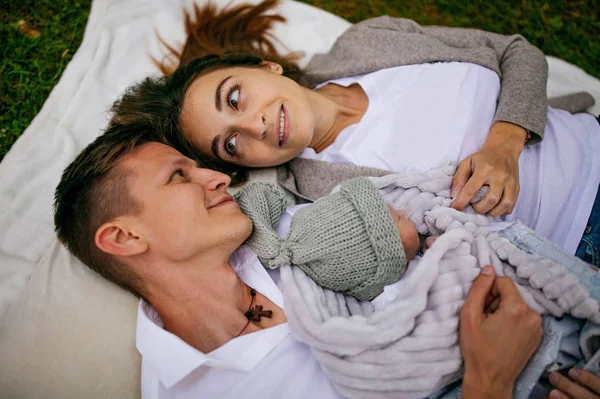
(585, 385)
(495, 164)
(498, 335)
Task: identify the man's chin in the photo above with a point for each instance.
(249, 228)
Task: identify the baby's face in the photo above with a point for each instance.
(408, 232)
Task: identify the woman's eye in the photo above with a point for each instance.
(234, 97)
(230, 146)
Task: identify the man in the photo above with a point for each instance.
(149, 219)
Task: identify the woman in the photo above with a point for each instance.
(421, 95)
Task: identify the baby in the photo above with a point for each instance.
(350, 241)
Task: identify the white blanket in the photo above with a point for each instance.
(114, 53)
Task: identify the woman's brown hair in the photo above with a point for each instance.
(243, 29)
(236, 36)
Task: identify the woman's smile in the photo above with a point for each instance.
(284, 126)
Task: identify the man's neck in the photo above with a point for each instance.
(204, 305)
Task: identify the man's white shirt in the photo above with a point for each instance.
(264, 364)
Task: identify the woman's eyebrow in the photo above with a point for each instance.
(218, 94)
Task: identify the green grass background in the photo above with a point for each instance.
(31, 66)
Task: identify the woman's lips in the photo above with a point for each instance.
(286, 127)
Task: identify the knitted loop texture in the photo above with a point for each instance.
(346, 242)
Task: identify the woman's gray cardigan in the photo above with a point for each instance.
(386, 42)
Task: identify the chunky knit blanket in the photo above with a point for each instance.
(545, 286)
(410, 348)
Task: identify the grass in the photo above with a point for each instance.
(36, 50)
(33, 55)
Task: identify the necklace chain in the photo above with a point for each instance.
(254, 313)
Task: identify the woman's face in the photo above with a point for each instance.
(248, 116)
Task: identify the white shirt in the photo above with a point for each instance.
(422, 115)
(265, 364)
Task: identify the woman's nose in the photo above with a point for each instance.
(254, 125)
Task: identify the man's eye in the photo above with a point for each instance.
(229, 146)
(177, 174)
(234, 97)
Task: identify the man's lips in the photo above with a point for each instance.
(223, 200)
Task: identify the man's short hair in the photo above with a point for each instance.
(93, 191)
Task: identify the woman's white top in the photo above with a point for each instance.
(422, 115)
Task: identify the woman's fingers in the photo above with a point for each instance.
(477, 171)
(471, 187)
(461, 177)
(585, 387)
(508, 201)
(491, 200)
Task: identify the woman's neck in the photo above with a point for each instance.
(336, 107)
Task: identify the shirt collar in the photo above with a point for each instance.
(173, 359)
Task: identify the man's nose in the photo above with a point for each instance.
(254, 124)
(212, 180)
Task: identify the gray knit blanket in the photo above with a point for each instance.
(410, 348)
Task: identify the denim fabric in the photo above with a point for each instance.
(589, 246)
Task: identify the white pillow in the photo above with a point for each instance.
(70, 334)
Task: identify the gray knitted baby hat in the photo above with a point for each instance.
(346, 242)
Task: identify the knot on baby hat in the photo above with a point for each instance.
(346, 242)
(284, 256)
(264, 204)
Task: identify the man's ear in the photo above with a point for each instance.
(273, 67)
(117, 238)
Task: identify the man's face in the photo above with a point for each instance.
(186, 209)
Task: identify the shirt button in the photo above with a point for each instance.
(588, 229)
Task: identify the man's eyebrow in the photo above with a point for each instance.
(218, 94)
(215, 147)
(179, 162)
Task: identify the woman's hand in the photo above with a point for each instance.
(585, 385)
(498, 335)
(495, 164)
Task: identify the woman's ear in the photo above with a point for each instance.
(273, 67)
(117, 238)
